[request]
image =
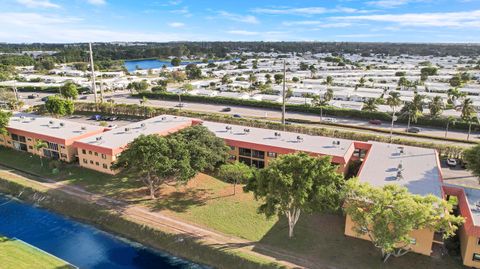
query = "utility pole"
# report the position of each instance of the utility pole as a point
(283, 91)
(92, 68)
(101, 88)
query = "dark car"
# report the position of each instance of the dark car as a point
(414, 130)
(375, 122)
(226, 109)
(237, 116)
(96, 117)
(31, 96)
(180, 105)
(83, 97)
(44, 99)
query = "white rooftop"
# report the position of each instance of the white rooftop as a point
(120, 137)
(419, 168)
(473, 198)
(56, 128)
(287, 140)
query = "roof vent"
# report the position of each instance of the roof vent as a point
(62, 124)
(277, 134)
(32, 118)
(127, 130)
(400, 167)
(98, 138)
(83, 128)
(51, 122)
(246, 130)
(299, 138)
(143, 125)
(401, 150)
(228, 128)
(163, 118)
(399, 175)
(22, 117)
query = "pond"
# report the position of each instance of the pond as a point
(81, 245)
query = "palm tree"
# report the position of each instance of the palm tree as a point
(414, 108)
(320, 101)
(252, 78)
(39, 145)
(469, 114)
(144, 102)
(328, 96)
(393, 100)
(436, 106)
(452, 120)
(329, 80)
(370, 105)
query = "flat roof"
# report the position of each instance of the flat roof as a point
(287, 140)
(53, 128)
(120, 137)
(419, 168)
(473, 199)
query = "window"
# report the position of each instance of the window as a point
(84, 151)
(52, 146)
(29, 139)
(478, 242)
(258, 164)
(97, 163)
(245, 152)
(272, 154)
(90, 152)
(96, 153)
(476, 257)
(91, 162)
(246, 161)
(85, 161)
(105, 166)
(22, 139)
(232, 157)
(104, 156)
(14, 137)
(258, 154)
(30, 147)
(63, 147)
(413, 241)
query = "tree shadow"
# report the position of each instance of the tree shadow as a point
(181, 200)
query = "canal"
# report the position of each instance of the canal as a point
(81, 245)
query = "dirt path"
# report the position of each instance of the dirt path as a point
(162, 222)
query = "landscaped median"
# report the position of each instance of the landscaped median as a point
(16, 254)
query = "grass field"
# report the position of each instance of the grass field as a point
(15, 254)
(209, 202)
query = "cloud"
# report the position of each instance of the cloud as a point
(318, 24)
(243, 32)
(38, 3)
(239, 18)
(185, 11)
(33, 19)
(388, 3)
(466, 19)
(308, 11)
(97, 2)
(176, 24)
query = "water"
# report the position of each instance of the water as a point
(79, 244)
(147, 64)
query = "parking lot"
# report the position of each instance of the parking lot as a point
(458, 175)
(119, 122)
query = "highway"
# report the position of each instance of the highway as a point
(269, 114)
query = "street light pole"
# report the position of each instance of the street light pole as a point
(283, 91)
(92, 68)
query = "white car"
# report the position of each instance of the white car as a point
(452, 162)
(330, 120)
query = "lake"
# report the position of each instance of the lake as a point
(81, 245)
(146, 64)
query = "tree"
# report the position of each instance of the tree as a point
(138, 86)
(328, 95)
(175, 61)
(155, 160)
(436, 106)
(452, 120)
(179, 76)
(278, 78)
(370, 105)
(207, 150)
(429, 71)
(80, 66)
(193, 71)
(389, 214)
(393, 101)
(329, 80)
(295, 183)
(38, 146)
(235, 173)
(44, 64)
(4, 120)
(226, 79)
(414, 108)
(69, 90)
(469, 114)
(58, 106)
(472, 157)
(455, 81)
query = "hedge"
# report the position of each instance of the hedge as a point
(440, 122)
(46, 89)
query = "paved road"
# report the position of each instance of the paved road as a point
(124, 97)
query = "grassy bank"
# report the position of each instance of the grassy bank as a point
(15, 254)
(208, 202)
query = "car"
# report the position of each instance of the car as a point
(180, 105)
(451, 162)
(414, 130)
(96, 117)
(226, 109)
(330, 120)
(44, 99)
(112, 126)
(31, 96)
(83, 97)
(237, 116)
(375, 122)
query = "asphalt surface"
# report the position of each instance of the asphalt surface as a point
(124, 97)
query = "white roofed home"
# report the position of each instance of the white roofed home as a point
(200, 92)
(236, 95)
(267, 97)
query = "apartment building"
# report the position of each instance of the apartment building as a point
(100, 151)
(25, 130)
(417, 169)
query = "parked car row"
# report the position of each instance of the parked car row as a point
(103, 118)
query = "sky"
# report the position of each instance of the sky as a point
(59, 21)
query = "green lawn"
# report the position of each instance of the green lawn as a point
(15, 254)
(209, 202)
